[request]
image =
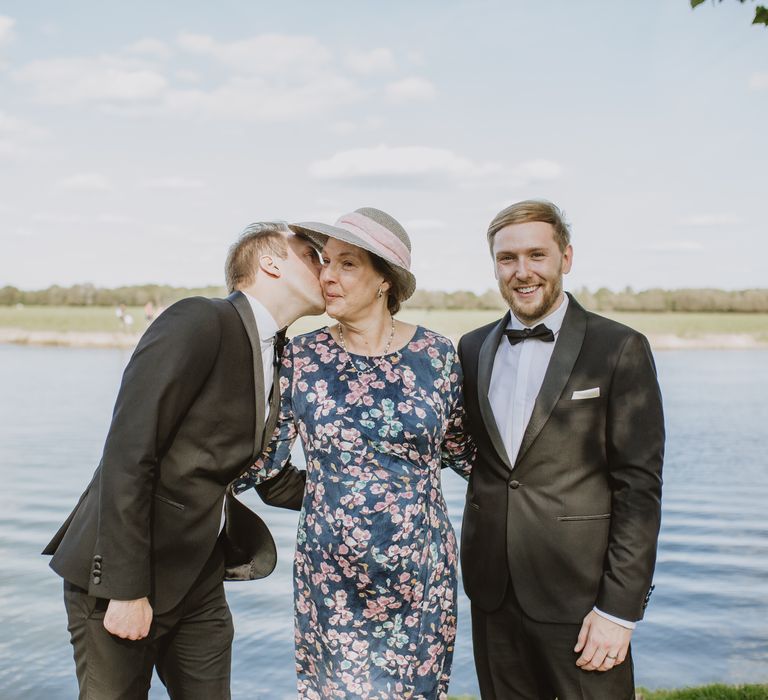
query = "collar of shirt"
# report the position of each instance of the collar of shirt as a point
(553, 321)
(264, 322)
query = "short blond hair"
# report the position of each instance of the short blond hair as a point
(532, 210)
(257, 239)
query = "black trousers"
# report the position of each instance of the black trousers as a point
(518, 658)
(190, 646)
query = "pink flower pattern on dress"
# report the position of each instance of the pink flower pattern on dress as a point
(376, 556)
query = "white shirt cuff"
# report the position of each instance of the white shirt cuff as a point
(624, 623)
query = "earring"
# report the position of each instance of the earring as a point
(380, 294)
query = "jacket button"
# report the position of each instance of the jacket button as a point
(97, 557)
(96, 579)
(514, 484)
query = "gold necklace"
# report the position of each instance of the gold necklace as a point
(364, 366)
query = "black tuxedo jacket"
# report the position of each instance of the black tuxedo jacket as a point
(189, 418)
(574, 522)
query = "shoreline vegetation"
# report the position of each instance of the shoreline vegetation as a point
(704, 692)
(99, 327)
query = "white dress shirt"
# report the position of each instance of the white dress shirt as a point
(267, 328)
(518, 373)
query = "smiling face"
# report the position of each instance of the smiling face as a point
(529, 267)
(349, 281)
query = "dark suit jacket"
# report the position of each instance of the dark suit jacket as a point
(189, 418)
(575, 523)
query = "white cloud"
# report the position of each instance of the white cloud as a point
(120, 219)
(6, 28)
(405, 162)
(265, 54)
(346, 127)
(103, 78)
(370, 62)
(256, 99)
(13, 125)
(85, 182)
(174, 183)
(758, 81)
(411, 89)
(537, 170)
(150, 47)
(710, 220)
(65, 218)
(674, 247)
(424, 225)
(187, 76)
(59, 218)
(17, 135)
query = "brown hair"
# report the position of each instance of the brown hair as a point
(262, 238)
(532, 210)
(396, 290)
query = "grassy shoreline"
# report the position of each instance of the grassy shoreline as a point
(99, 327)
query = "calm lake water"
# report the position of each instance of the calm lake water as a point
(707, 621)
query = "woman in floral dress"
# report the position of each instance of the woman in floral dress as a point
(378, 406)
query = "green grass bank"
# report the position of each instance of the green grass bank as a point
(451, 322)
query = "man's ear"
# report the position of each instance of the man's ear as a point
(567, 259)
(268, 265)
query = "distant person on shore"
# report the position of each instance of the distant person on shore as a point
(149, 312)
(120, 316)
(143, 555)
(564, 504)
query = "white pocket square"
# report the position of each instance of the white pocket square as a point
(586, 394)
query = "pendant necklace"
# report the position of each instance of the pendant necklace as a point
(364, 366)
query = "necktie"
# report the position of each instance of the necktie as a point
(540, 332)
(280, 342)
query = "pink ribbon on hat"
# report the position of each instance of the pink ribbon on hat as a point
(379, 237)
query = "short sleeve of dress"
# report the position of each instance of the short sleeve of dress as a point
(278, 451)
(458, 449)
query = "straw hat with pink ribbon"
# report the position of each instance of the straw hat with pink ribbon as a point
(375, 231)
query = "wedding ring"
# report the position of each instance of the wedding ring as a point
(612, 658)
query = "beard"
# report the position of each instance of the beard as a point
(551, 290)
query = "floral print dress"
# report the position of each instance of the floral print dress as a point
(376, 556)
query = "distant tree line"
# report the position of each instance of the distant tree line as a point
(746, 300)
(90, 295)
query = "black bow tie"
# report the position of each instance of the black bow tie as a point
(280, 342)
(540, 332)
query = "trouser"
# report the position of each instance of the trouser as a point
(190, 646)
(518, 658)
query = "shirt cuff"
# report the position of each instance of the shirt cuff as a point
(624, 623)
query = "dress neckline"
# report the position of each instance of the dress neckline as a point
(396, 351)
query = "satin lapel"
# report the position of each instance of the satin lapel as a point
(484, 371)
(567, 349)
(274, 409)
(243, 307)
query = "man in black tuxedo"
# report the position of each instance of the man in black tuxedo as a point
(564, 502)
(144, 555)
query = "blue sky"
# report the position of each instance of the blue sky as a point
(137, 139)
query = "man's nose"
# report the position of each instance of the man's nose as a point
(521, 270)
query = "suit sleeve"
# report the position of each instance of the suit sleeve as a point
(635, 452)
(162, 379)
(286, 490)
(458, 450)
